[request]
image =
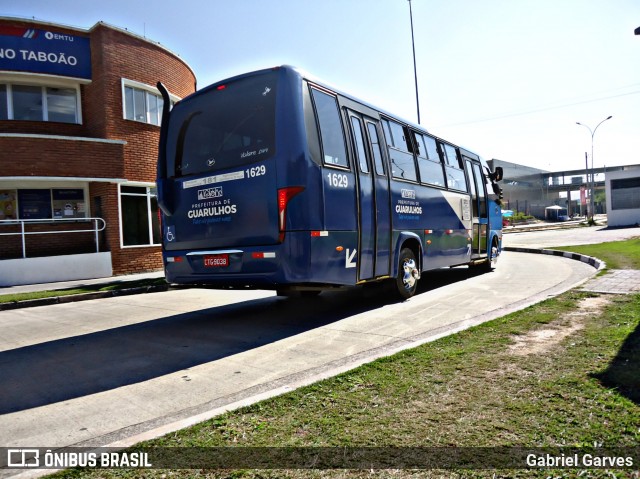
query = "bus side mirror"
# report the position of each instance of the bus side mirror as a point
(497, 174)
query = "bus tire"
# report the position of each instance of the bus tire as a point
(408, 274)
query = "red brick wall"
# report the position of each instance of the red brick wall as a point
(26, 156)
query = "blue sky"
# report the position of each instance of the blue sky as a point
(507, 79)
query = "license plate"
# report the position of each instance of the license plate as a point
(216, 261)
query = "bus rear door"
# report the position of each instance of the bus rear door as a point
(372, 197)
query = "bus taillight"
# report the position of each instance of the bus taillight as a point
(284, 196)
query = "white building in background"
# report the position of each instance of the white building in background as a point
(623, 197)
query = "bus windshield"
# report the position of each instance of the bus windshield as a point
(223, 127)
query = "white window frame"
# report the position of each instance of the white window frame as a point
(43, 92)
(148, 90)
(148, 195)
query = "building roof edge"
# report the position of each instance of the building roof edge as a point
(143, 38)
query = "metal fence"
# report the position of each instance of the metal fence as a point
(98, 225)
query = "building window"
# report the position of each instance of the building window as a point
(62, 105)
(27, 102)
(142, 103)
(139, 219)
(625, 194)
(42, 203)
(4, 112)
(39, 103)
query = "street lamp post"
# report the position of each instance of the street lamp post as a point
(593, 185)
(415, 71)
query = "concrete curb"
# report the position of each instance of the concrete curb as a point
(72, 298)
(595, 262)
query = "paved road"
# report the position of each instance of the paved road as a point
(569, 237)
(122, 369)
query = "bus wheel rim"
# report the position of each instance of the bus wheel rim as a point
(409, 275)
(494, 255)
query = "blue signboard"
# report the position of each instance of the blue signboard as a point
(44, 51)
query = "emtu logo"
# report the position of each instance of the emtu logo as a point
(30, 33)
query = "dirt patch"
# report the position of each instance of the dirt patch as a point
(542, 340)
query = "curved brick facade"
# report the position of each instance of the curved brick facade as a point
(102, 154)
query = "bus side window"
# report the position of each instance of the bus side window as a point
(480, 184)
(402, 163)
(429, 163)
(376, 147)
(455, 174)
(359, 144)
(331, 134)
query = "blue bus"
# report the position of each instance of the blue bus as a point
(274, 180)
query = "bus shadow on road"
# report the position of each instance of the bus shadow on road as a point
(73, 367)
(623, 373)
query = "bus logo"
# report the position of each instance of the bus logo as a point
(210, 193)
(409, 194)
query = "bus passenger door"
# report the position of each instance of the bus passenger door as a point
(382, 199)
(479, 208)
(373, 199)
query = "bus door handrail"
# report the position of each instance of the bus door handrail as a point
(98, 225)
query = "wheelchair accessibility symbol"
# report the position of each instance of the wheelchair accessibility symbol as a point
(170, 235)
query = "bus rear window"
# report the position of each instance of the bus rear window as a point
(225, 127)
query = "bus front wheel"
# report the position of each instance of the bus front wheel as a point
(408, 274)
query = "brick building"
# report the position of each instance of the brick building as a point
(79, 128)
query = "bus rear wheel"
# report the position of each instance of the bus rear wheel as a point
(408, 274)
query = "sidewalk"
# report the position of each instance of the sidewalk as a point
(615, 281)
(30, 288)
(539, 238)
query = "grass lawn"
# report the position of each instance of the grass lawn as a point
(565, 372)
(617, 254)
(115, 286)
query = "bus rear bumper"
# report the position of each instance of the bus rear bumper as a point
(223, 266)
(302, 259)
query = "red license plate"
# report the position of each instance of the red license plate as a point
(216, 261)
